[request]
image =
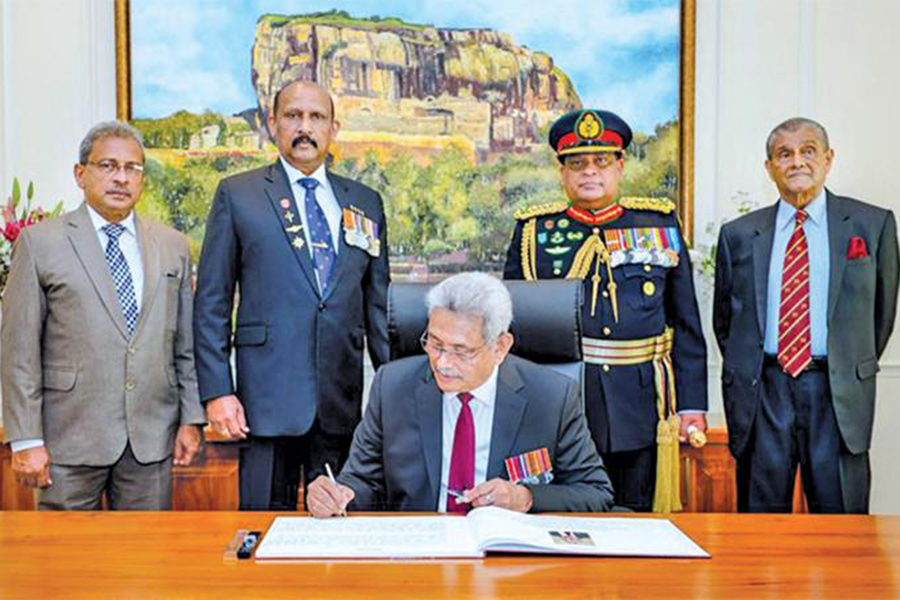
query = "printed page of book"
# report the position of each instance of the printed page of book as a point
(368, 537)
(500, 530)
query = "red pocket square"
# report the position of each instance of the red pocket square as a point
(857, 248)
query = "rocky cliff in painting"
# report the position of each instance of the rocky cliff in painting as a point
(419, 86)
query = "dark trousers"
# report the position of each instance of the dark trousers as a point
(271, 468)
(796, 425)
(633, 477)
(127, 485)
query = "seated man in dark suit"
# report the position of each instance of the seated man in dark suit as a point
(439, 429)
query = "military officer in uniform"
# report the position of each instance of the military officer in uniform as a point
(644, 352)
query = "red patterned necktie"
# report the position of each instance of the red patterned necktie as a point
(462, 460)
(794, 350)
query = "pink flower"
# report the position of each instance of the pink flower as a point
(12, 230)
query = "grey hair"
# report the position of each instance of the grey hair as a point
(478, 295)
(104, 130)
(795, 124)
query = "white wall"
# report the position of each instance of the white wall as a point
(57, 76)
(758, 62)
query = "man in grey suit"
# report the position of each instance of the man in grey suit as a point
(438, 430)
(99, 388)
(805, 299)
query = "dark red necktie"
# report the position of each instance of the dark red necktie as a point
(794, 349)
(462, 460)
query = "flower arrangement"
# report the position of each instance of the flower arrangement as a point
(15, 220)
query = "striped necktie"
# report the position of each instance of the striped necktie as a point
(794, 349)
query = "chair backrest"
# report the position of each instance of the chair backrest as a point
(546, 322)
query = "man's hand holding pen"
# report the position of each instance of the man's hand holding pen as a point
(327, 498)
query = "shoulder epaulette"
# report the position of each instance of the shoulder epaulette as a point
(663, 205)
(538, 210)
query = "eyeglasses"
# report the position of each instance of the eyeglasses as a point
(111, 167)
(458, 353)
(601, 161)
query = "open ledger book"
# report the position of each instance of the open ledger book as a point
(483, 530)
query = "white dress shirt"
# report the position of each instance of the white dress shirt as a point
(482, 405)
(324, 196)
(128, 243)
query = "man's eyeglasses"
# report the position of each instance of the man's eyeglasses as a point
(111, 167)
(458, 353)
(601, 161)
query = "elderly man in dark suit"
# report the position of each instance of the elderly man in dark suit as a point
(805, 300)
(462, 426)
(99, 388)
(307, 252)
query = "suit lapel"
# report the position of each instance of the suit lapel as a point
(150, 260)
(342, 194)
(762, 256)
(838, 234)
(429, 412)
(86, 244)
(278, 190)
(508, 412)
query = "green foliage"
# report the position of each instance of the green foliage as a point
(182, 197)
(175, 131)
(340, 18)
(651, 167)
(433, 207)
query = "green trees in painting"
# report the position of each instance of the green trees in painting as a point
(434, 206)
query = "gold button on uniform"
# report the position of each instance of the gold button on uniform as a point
(607, 331)
(605, 294)
(648, 268)
(606, 368)
(649, 288)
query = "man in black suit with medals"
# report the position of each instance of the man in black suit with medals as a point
(307, 250)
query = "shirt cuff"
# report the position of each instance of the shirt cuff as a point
(692, 412)
(28, 444)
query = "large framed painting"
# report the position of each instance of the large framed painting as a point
(443, 108)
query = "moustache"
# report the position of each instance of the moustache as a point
(119, 192)
(452, 373)
(304, 139)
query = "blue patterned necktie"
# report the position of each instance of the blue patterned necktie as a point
(319, 233)
(121, 275)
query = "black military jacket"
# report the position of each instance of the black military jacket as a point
(638, 243)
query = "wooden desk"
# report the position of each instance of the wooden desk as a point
(179, 555)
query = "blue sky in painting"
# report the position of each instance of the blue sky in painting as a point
(621, 54)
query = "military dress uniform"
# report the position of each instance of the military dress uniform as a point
(642, 342)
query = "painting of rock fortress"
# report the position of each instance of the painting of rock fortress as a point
(422, 88)
(449, 125)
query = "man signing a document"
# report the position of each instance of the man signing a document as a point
(468, 424)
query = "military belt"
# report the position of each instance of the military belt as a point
(627, 352)
(658, 351)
